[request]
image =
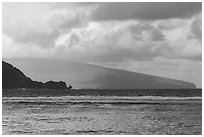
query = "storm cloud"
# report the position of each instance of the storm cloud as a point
(121, 35)
(146, 10)
(196, 28)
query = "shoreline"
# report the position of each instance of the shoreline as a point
(101, 100)
(102, 92)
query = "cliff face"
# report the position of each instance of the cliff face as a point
(83, 75)
(13, 78)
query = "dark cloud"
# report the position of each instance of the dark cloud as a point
(157, 35)
(167, 25)
(146, 10)
(196, 28)
(58, 21)
(87, 3)
(60, 5)
(74, 40)
(137, 30)
(154, 33)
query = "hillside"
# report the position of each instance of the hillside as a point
(83, 75)
(14, 78)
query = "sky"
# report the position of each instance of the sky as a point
(163, 39)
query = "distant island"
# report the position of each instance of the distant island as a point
(13, 78)
(16, 84)
(89, 76)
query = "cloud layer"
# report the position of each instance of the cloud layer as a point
(146, 10)
(109, 34)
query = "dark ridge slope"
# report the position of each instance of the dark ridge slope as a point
(13, 78)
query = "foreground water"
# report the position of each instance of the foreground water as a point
(102, 115)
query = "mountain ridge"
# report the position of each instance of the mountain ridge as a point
(83, 75)
(13, 78)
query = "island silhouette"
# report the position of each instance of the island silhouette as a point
(16, 84)
(89, 76)
(13, 78)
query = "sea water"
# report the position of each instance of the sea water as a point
(102, 115)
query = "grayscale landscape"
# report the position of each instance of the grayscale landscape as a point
(108, 68)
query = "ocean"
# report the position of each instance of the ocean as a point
(102, 112)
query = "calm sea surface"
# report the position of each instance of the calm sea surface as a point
(102, 115)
